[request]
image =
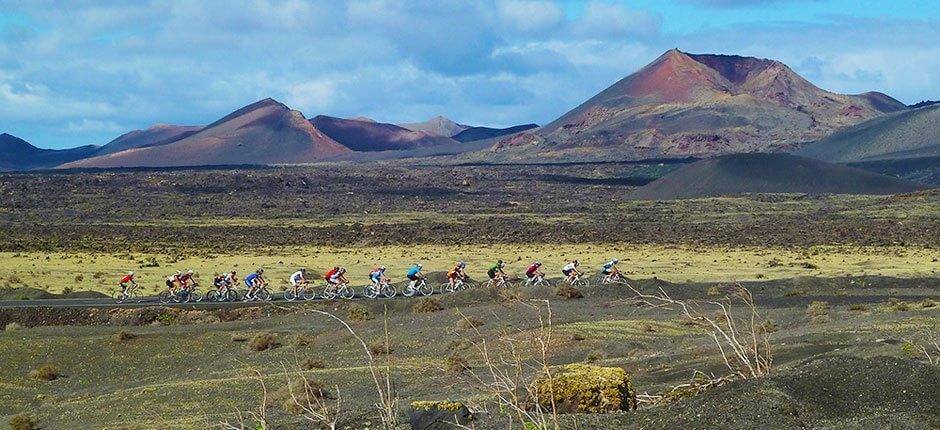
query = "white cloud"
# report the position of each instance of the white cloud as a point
(611, 20)
(531, 15)
(94, 125)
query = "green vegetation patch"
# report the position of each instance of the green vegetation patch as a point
(626, 330)
(582, 388)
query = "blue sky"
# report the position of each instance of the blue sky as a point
(80, 72)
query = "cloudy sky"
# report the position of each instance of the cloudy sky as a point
(81, 72)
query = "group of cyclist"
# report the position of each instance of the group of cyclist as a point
(180, 282)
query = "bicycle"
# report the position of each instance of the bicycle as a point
(129, 294)
(224, 293)
(261, 294)
(614, 278)
(498, 282)
(342, 291)
(421, 287)
(303, 291)
(459, 285)
(538, 281)
(384, 289)
(579, 281)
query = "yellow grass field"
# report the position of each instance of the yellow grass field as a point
(99, 272)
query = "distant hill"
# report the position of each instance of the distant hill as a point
(471, 134)
(369, 136)
(703, 105)
(265, 132)
(18, 154)
(922, 170)
(160, 134)
(438, 125)
(923, 104)
(908, 134)
(767, 173)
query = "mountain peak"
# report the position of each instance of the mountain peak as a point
(11, 142)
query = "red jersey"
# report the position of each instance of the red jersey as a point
(127, 278)
(330, 274)
(531, 269)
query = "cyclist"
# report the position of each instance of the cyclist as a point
(496, 272)
(610, 270)
(532, 272)
(377, 276)
(414, 275)
(457, 272)
(218, 281)
(330, 273)
(173, 281)
(336, 276)
(127, 281)
(254, 281)
(571, 271)
(230, 280)
(186, 280)
(299, 278)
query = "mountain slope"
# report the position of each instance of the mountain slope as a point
(265, 132)
(907, 134)
(18, 154)
(160, 134)
(369, 136)
(767, 173)
(471, 134)
(438, 125)
(702, 105)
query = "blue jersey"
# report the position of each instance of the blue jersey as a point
(608, 265)
(413, 271)
(250, 279)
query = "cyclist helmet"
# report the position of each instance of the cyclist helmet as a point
(538, 263)
(178, 273)
(616, 261)
(260, 271)
(382, 268)
(131, 273)
(463, 264)
(419, 265)
(500, 262)
(303, 270)
(190, 271)
(577, 263)
(342, 270)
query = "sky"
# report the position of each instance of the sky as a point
(83, 72)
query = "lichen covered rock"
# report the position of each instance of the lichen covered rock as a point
(582, 388)
(438, 415)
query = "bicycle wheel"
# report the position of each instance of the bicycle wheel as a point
(446, 288)
(408, 291)
(389, 291)
(346, 292)
(263, 294)
(166, 296)
(308, 293)
(195, 296)
(424, 289)
(118, 297)
(290, 295)
(581, 283)
(329, 293)
(231, 295)
(370, 291)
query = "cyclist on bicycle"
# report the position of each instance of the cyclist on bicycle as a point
(173, 281)
(127, 281)
(414, 275)
(532, 272)
(186, 280)
(254, 281)
(336, 276)
(497, 271)
(218, 281)
(299, 279)
(610, 270)
(457, 272)
(230, 279)
(571, 271)
(377, 276)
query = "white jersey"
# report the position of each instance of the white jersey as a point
(229, 278)
(297, 277)
(568, 267)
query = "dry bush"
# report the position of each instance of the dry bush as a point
(264, 342)
(456, 363)
(568, 292)
(23, 422)
(47, 372)
(13, 326)
(79, 278)
(380, 347)
(469, 322)
(302, 340)
(928, 303)
(427, 305)
(123, 336)
(818, 312)
(311, 363)
(769, 326)
(736, 330)
(858, 307)
(713, 292)
(359, 312)
(897, 305)
(297, 393)
(240, 337)
(578, 337)
(595, 356)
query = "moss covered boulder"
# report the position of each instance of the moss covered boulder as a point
(438, 415)
(582, 388)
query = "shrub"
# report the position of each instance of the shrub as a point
(595, 356)
(23, 422)
(817, 309)
(469, 322)
(239, 337)
(359, 312)
(14, 279)
(456, 363)
(303, 339)
(769, 326)
(713, 292)
(582, 388)
(79, 278)
(568, 292)
(264, 341)
(48, 372)
(305, 392)
(808, 265)
(858, 307)
(910, 350)
(67, 290)
(13, 326)
(123, 336)
(578, 337)
(928, 303)
(312, 363)
(380, 347)
(898, 305)
(427, 305)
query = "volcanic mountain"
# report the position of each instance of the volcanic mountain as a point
(702, 105)
(472, 134)
(265, 132)
(18, 154)
(438, 125)
(767, 173)
(368, 136)
(908, 134)
(160, 134)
